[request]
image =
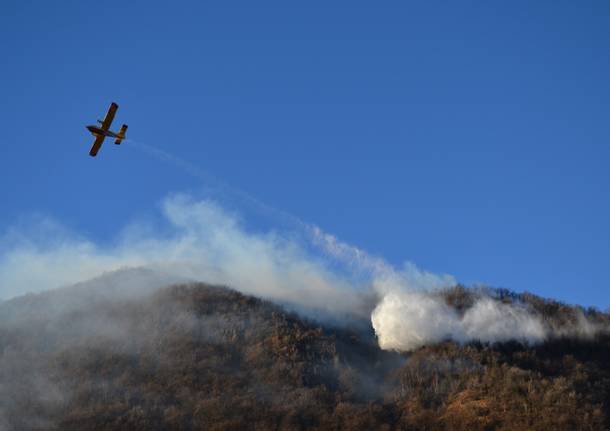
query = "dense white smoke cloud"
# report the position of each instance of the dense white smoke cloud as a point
(407, 320)
(204, 242)
(404, 321)
(409, 314)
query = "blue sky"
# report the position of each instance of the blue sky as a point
(468, 137)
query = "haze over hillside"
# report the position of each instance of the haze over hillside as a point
(123, 352)
(303, 268)
(317, 334)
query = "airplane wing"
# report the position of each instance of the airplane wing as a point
(99, 139)
(109, 116)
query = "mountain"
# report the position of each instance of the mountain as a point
(197, 357)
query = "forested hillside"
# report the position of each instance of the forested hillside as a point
(200, 357)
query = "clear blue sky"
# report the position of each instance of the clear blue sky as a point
(471, 138)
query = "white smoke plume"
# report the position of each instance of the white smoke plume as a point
(204, 242)
(408, 320)
(409, 314)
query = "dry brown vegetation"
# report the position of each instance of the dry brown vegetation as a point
(197, 357)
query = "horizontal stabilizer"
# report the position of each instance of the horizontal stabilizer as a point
(121, 134)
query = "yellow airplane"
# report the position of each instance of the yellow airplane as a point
(104, 132)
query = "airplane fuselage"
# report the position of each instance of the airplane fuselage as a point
(95, 130)
(103, 131)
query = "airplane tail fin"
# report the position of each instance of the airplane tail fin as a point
(121, 134)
